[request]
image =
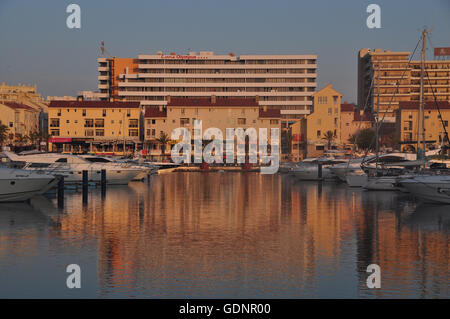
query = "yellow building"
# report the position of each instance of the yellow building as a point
(21, 120)
(352, 120)
(95, 126)
(325, 117)
(22, 94)
(437, 117)
(221, 113)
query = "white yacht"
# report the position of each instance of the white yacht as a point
(21, 185)
(71, 167)
(308, 170)
(430, 188)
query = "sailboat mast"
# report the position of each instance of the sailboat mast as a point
(421, 119)
(378, 115)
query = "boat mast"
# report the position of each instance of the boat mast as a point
(378, 117)
(421, 118)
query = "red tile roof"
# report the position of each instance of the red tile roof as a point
(367, 117)
(270, 113)
(430, 105)
(94, 104)
(15, 105)
(347, 107)
(220, 101)
(153, 111)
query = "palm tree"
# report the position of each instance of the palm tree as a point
(3, 133)
(163, 139)
(329, 137)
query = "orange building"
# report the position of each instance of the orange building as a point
(352, 120)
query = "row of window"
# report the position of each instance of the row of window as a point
(97, 132)
(83, 111)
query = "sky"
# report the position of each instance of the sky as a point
(37, 47)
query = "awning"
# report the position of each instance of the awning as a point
(60, 140)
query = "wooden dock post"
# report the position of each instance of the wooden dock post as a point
(85, 186)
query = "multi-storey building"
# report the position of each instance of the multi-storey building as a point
(325, 118)
(380, 72)
(21, 120)
(214, 112)
(96, 126)
(353, 120)
(437, 117)
(284, 82)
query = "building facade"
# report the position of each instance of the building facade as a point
(353, 120)
(437, 117)
(94, 126)
(284, 82)
(324, 118)
(20, 119)
(214, 112)
(383, 70)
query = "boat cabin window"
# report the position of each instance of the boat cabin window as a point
(61, 160)
(97, 160)
(39, 165)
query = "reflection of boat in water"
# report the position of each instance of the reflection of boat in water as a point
(430, 217)
(430, 188)
(21, 185)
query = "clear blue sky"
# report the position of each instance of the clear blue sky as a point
(37, 47)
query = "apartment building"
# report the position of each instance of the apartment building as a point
(380, 71)
(437, 117)
(284, 82)
(325, 117)
(215, 112)
(94, 126)
(21, 120)
(353, 120)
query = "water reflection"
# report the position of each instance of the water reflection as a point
(234, 235)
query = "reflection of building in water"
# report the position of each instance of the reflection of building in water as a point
(191, 233)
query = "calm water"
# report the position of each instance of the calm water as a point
(226, 235)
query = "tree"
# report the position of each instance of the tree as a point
(163, 139)
(329, 137)
(365, 139)
(3, 134)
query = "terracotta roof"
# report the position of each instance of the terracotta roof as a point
(153, 111)
(15, 105)
(220, 101)
(367, 117)
(94, 104)
(431, 105)
(270, 113)
(347, 107)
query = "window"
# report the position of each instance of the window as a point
(88, 123)
(320, 147)
(89, 133)
(133, 133)
(112, 121)
(128, 113)
(133, 123)
(335, 99)
(99, 123)
(153, 132)
(54, 122)
(54, 132)
(319, 134)
(59, 112)
(153, 121)
(241, 121)
(11, 124)
(446, 123)
(182, 111)
(99, 132)
(273, 121)
(104, 112)
(67, 121)
(84, 112)
(184, 121)
(330, 111)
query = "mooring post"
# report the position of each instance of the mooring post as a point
(148, 179)
(61, 192)
(85, 186)
(103, 182)
(319, 170)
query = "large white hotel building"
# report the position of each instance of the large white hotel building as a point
(279, 81)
